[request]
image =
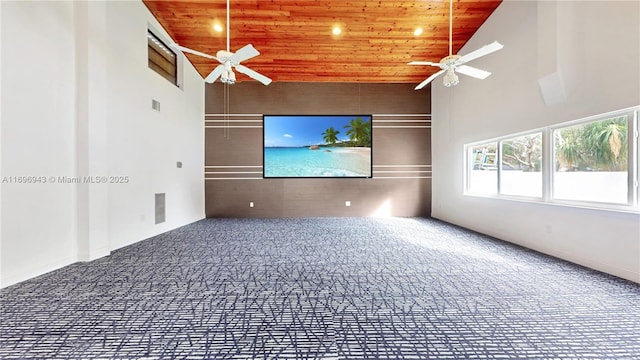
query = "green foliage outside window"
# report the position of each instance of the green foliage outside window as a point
(595, 146)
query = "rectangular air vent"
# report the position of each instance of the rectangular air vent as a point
(155, 104)
(160, 208)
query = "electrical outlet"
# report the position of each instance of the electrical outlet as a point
(251, 204)
(347, 203)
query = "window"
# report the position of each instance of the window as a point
(591, 161)
(521, 165)
(588, 162)
(483, 175)
(162, 59)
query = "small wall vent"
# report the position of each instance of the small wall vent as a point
(160, 208)
(155, 104)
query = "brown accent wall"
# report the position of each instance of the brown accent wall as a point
(401, 138)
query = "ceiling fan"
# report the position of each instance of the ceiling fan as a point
(456, 63)
(229, 61)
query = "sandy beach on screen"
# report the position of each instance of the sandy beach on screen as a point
(363, 151)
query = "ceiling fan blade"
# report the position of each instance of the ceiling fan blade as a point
(424, 63)
(215, 74)
(473, 72)
(428, 80)
(485, 50)
(253, 74)
(194, 52)
(244, 53)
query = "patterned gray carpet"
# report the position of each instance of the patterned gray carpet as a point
(322, 288)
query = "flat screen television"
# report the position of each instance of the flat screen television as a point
(317, 146)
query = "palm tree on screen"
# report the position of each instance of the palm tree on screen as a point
(359, 132)
(330, 135)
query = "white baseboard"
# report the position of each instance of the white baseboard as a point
(11, 279)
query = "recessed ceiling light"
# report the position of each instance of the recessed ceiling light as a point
(417, 32)
(217, 27)
(336, 30)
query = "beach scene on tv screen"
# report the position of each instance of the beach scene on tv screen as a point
(317, 146)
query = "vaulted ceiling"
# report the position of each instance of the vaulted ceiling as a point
(297, 44)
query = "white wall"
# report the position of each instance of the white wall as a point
(38, 137)
(145, 144)
(76, 100)
(591, 53)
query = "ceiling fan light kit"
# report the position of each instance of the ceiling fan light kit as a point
(450, 78)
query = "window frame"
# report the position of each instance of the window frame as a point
(500, 153)
(175, 65)
(469, 167)
(548, 160)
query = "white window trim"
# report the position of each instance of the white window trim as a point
(548, 156)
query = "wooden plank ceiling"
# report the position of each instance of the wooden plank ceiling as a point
(296, 42)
